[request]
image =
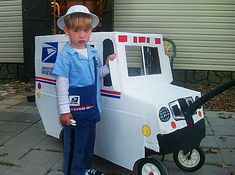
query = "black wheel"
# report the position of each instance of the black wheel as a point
(149, 166)
(189, 161)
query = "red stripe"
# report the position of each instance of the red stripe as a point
(122, 38)
(141, 39)
(135, 39)
(148, 40)
(78, 107)
(47, 79)
(111, 92)
(157, 41)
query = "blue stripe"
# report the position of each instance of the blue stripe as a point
(112, 96)
(46, 82)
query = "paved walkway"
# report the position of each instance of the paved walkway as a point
(25, 149)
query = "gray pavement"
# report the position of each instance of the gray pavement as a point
(25, 149)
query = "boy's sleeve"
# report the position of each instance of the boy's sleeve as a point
(62, 87)
(61, 66)
(104, 70)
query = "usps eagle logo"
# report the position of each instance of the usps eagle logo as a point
(49, 52)
(74, 100)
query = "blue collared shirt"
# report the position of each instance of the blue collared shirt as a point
(78, 69)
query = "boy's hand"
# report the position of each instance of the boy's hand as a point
(67, 119)
(110, 58)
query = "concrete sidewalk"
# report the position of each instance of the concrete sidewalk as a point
(25, 149)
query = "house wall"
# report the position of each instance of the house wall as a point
(11, 32)
(203, 30)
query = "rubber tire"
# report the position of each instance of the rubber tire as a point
(194, 168)
(139, 164)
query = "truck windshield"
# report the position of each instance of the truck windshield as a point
(142, 60)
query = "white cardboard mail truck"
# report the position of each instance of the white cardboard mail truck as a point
(143, 113)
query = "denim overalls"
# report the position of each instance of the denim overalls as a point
(79, 140)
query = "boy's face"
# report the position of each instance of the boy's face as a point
(78, 38)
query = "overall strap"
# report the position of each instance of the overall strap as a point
(95, 83)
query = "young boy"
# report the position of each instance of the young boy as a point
(78, 71)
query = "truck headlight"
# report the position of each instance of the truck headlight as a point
(164, 114)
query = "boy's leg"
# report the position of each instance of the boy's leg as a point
(75, 139)
(90, 144)
(90, 150)
(81, 138)
(68, 150)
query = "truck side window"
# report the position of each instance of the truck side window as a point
(108, 49)
(152, 63)
(142, 60)
(134, 60)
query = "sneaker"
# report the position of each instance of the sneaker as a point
(93, 172)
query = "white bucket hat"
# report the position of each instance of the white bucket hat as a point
(78, 9)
